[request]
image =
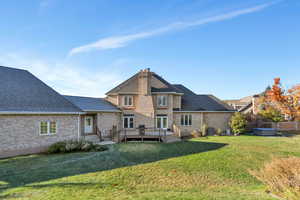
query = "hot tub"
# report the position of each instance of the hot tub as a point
(265, 131)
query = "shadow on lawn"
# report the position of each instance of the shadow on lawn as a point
(35, 169)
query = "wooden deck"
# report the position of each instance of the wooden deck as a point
(142, 138)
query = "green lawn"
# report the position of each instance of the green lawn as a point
(206, 168)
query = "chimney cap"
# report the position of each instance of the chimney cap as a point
(146, 70)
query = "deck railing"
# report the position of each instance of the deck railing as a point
(99, 134)
(146, 133)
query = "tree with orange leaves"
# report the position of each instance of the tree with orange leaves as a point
(287, 102)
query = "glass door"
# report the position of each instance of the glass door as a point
(162, 122)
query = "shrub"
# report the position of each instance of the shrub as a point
(87, 146)
(204, 130)
(196, 133)
(271, 114)
(98, 147)
(238, 123)
(219, 132)
(282, 176)
(57, 147)
(74, 146)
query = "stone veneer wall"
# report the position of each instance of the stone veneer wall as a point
(20, 134)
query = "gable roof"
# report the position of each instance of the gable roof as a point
(193, 102)
(169, 87)
(118, 87)
(92, 104)
(247, 107)
(184, 89)
(22, 92)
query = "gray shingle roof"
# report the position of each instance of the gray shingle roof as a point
(169, 88)
(193, 102)
(92, 104)
(22, 92)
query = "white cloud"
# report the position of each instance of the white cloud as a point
(63, 77)
(121, 41)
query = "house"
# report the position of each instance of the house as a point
(246, 105)
(34, 116)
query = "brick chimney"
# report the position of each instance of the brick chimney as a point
(144, 82)
(144, 105)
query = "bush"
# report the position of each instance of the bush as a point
(271, 114)
(204, 130)
(74, 146)
(57, 147)
(98, 147)
(238, 123)
(196, 133)
(282, 176)
(219, 132)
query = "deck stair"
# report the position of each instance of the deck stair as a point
(171, 139)
(91, 138)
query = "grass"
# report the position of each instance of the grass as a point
(206, 168)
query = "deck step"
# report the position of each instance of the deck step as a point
(171, 139)
(91, 138)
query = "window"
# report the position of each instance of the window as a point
(128, 101)
(128, 121)
(162, 100)
(48, 128)
(186, 120)
(162, 121)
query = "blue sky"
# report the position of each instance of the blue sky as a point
(227, 48)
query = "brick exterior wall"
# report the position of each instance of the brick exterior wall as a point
(20, 134)
(217, 120)
(213, 120)
(105, 121)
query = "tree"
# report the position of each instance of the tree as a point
(272, 114)
(287, 102)
(238, 123)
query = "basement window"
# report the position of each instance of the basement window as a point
(48, 128)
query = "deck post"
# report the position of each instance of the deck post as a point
(118, 135)
(125, 135)
(165, 135)
(159, 136)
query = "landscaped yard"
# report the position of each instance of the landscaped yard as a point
(206, 168)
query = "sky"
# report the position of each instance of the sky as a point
(230, 49)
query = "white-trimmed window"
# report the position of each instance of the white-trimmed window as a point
(162, 121)
(48, 128)
(128, 100)
(128, 121)
(186, 120)
(162, 100)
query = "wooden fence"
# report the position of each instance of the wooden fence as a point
(281, 126)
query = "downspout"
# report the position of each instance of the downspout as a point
(79, 127)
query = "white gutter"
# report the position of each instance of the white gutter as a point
(38, 113)
(118, 111)
(204, 111)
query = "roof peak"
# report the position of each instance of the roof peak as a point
(13, 68)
